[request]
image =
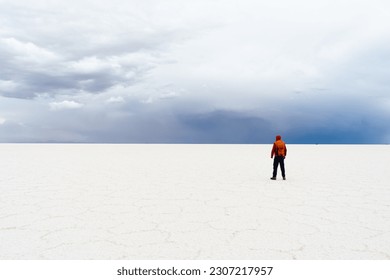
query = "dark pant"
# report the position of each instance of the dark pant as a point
(277, 160)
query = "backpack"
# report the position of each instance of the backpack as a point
(280, 148)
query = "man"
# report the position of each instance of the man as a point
(279, 150)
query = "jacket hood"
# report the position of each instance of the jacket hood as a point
(278, 137)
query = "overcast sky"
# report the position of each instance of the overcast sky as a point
(204, 71)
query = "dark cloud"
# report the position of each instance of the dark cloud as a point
(32, 77)
(55, 49)
(205, 72)
(137, 122)
(223, 126)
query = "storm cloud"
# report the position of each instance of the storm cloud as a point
(194, 72)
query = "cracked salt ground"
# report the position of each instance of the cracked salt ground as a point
(193, 202)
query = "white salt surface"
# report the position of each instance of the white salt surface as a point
(193, 202)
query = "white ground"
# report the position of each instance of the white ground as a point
(193, 202)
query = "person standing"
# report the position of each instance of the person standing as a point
(279, 150)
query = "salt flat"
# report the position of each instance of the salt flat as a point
(71, 201)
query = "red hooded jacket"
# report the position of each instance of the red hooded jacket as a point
(279, 148)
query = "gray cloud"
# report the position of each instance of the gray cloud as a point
(225, 127)
(206, 71)
(30, 70)
(52, 48)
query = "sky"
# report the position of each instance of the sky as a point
(205, 71)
